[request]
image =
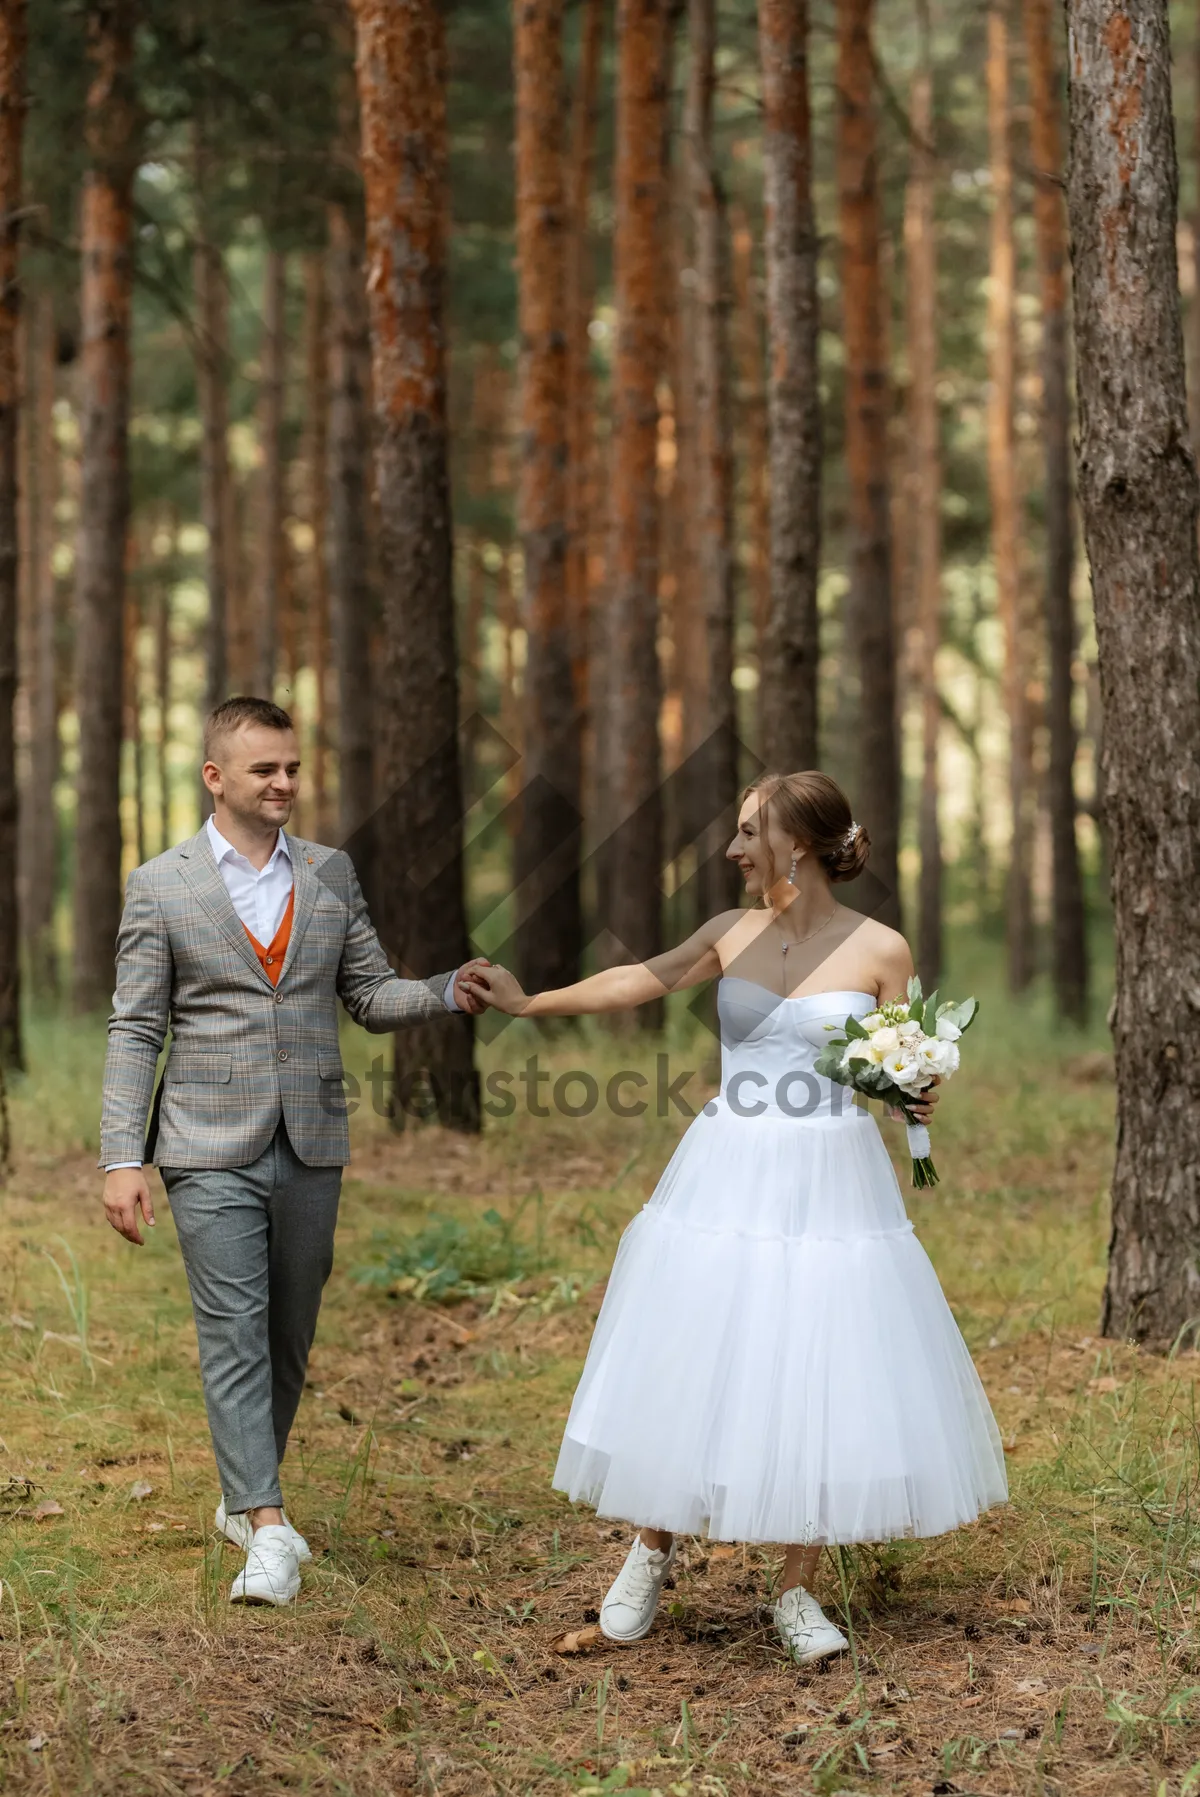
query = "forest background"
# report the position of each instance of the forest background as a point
(563, 421)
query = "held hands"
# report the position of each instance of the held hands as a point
(496, 988)
(464, 996)
(125, 1193)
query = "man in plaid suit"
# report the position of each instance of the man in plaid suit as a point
(241, 940)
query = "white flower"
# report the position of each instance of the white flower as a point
(947, 1060)
(857, 1050)
(884, 1042)
(947, 1031)
(873, 1022)
(904, 1071)
(909, 1031)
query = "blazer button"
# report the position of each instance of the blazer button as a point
(279, 998)
(283, 1054)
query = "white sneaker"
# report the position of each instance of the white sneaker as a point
(238, 1529)
(804, 1628)
(627, 1613)
(271, 1574)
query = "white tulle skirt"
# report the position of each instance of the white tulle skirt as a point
(775, 1360)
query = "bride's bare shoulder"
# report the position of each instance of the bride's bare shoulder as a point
(736, 926)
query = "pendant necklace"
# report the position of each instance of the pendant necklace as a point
(802, 939)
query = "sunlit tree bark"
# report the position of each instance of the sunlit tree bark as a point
(112, 130)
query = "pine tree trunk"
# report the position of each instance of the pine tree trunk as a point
(13, 34)
(1002, 482)
(112, 130)
(581, 434)
(925, 493)
(634, 859)
(349, 522)
(751, 415)
(270, 475)
(162, 687)
(1138, 495)
(680, 580)
(546, 858)
(212, 375)
(401, 68)
(792, 639)
(41, 834)
(719, 884)
(131, 722)
(316, 505)
(1070, 923)
(864, 301)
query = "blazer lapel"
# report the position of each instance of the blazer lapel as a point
(304, 889)
(199, 868)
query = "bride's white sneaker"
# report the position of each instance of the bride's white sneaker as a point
(627, 1613)
(239, 1529)
(804, 1628)
(271, 1574)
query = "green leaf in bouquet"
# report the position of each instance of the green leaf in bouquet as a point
(855, 1030)
(914, 990)
(917, 1010)
(966, 1013)
(828, 1063)
(930, 1010)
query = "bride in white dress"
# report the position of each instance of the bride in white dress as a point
(774, 1360)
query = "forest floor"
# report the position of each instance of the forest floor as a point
(1051, 1649)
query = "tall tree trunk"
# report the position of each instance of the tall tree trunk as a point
(112, 131)
(679, 576)
(1002, 482)
(719, 884)
(131, 723)
(349, 522)
(1070, 923)
(581, 434)
(867, 397)
(546, 858)
(13, 34)
(1138, 495)
(633, 886)
(751, 414)
(162, 689)
(792, 640)
(316, 473)
(401, 68)
(925, 492)
(270, 481)
(41, 835)
(216, 492)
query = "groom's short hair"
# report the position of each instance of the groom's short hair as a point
(233, 713)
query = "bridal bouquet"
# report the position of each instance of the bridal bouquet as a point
(895, 1054)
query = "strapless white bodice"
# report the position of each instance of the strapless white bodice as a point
(769, 1044)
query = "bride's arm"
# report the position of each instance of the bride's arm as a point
(895, 970)
(616, 988)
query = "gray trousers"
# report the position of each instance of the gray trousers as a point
(257, 1245)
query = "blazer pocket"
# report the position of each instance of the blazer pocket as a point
(200, 1069)
(329, 1066)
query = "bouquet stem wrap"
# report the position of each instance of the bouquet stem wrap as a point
(924, 1173)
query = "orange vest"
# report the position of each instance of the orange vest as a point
(272, 957)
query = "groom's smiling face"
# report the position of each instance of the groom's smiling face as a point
(254, 774)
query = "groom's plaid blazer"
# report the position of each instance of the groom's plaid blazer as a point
(243, 1052)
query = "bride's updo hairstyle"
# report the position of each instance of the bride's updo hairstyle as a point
(814, 809)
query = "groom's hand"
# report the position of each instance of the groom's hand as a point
(125, 1193)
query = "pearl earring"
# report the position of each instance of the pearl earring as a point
(792, 871)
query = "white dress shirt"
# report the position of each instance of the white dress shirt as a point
(260, 897)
